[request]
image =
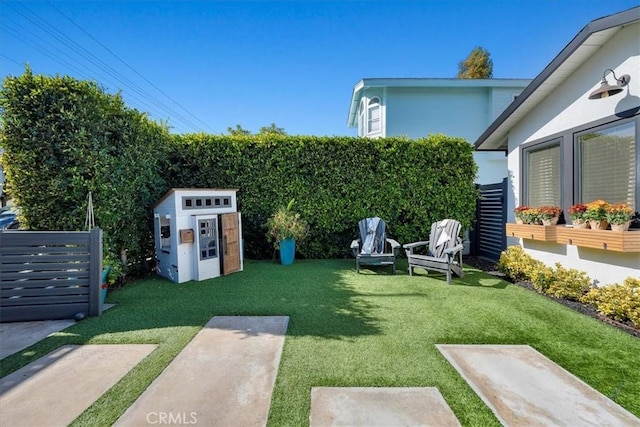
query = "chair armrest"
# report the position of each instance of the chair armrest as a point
(394, 244)
(454, 250)
(355, 247)
(415, 245)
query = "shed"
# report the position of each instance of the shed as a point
(198, 234)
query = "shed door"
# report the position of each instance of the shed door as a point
(230, 243)
(207, 257)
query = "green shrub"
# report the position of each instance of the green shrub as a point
(63, 138)
(542, 278)
(618, 301)
(559, 282)
(517, 264)
(569, 283)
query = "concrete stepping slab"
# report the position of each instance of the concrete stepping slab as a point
(523, 387)
(379, 406)
(17, 336)
(55, 389)
(223, 377)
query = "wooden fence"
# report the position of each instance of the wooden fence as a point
(47, 275)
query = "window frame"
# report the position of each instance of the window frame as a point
(527, 149)
(568, 166)
(374, 102)
(576, 158)
(362, 118)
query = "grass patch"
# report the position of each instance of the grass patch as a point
(348, 329)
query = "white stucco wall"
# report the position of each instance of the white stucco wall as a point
(566, 108)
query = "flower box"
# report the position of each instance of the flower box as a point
(618, 241)
(546, 233)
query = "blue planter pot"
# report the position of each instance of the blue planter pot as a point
(287, 251)
(103, 283)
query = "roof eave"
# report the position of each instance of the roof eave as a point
(601, 24)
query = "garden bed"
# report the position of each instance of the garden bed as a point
(490, 267)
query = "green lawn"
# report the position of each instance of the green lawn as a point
(345, 329)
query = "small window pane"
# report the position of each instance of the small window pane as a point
(374, 116)
(543, 176)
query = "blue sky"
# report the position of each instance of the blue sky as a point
(207, 65)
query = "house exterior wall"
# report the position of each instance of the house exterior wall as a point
(416, 112)
(568, 107)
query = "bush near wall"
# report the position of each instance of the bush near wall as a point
(335, 181)
(617, 301)
(63, 138)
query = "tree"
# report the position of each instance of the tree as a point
(272, 129)
(239, 130)
(478, 65)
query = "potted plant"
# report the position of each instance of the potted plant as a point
(531, 216)
(596, 214)
(576, 212)
(519, 213)
(549, 215)
(285, 227)
(619, 216)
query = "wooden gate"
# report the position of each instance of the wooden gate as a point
(489, 238)
(48, 275)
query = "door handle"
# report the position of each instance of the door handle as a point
(224, 243)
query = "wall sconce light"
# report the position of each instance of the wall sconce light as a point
(605, 89)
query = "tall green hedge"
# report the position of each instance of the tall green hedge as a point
(336, 181)
(63, 138)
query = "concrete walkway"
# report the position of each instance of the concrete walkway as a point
(20, 335)
(226, 374)
(55, 389)
(223, 377)
(524, 388)
(380, 406)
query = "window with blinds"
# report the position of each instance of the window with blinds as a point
(543, 175)
(606, 165)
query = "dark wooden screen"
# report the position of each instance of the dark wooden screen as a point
(47, 275)
(489, 238)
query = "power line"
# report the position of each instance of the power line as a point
(125, 63)
(91, 58)
(68, 47)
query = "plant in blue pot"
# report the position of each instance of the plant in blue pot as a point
(285, 227)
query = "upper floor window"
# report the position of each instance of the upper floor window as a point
(373, 114)
(606, 163)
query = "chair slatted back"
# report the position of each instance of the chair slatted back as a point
(444, 235)
(372, 235)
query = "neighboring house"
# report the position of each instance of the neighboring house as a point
(559, 142)
(416, 107)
